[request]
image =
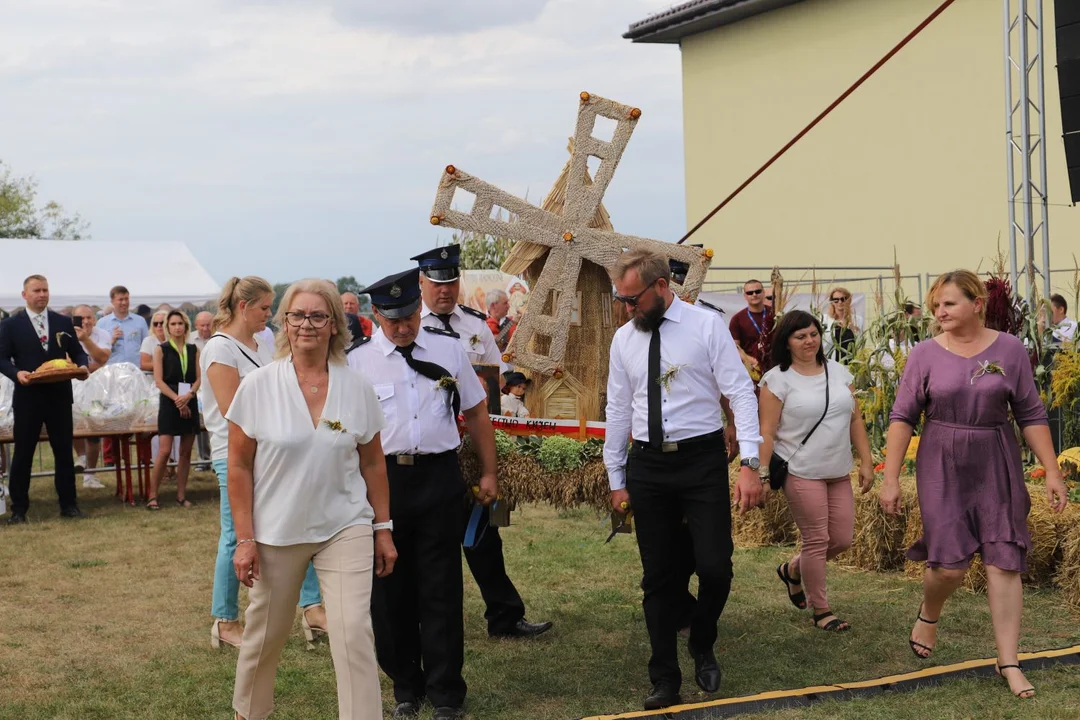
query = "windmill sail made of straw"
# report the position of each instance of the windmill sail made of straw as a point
(570, 238)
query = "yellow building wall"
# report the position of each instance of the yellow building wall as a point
(914, 159)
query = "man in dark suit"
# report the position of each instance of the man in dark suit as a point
(27, 340)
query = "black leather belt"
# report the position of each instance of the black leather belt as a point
(686, 444)
(421, 459)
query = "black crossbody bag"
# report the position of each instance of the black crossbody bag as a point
(238, 347)
(778, 466)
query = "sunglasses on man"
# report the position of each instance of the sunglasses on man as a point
(632, 300)
(754, 292)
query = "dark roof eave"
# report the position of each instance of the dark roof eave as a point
(696, 17)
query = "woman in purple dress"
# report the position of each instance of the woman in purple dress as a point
(969, 471)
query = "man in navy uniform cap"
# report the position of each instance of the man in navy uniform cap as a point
(423, 379)
(440, 285)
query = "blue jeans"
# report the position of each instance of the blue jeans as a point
(226, 605)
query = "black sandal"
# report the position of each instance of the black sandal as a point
(1021, 695)
(152, 505)
(914, 644)
(185, 503)
(834, 625)
(799, 598)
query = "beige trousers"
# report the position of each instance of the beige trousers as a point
(345, 566)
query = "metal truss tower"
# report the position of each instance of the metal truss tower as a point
(1025, 128)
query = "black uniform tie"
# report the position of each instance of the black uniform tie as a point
(432, 372)
(445, 318)
(656, 416)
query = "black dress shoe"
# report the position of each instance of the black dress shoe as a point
(17, 518)
(448, 713)
(408, 709)
(72, 513)
(663, 695)
(524, 629)
(706, 671)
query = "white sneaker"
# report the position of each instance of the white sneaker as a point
(80, 463)
(90, 481)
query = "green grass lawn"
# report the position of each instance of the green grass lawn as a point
(109, 618)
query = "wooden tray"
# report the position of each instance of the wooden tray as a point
(58, 375)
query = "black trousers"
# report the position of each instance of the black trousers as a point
(686, 569)
(29, 417)
(417, 609)
(504, 606)
(664, 489)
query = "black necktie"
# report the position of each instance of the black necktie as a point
(656, 415)
(445, 320)
(432, 372)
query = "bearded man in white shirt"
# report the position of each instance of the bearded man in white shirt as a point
(668, 369)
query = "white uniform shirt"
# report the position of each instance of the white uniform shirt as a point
(699, 344)
(827, 454)
(419, 418)
(226, 350)
(308, 485)
(476, 338)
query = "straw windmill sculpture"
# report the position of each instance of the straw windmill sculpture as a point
(567, 248)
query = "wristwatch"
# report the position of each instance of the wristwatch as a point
(388, 525)
(751, 463)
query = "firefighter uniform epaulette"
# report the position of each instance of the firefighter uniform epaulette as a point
(710, 306)
(441, 331)
(471, 311)
(362, 340)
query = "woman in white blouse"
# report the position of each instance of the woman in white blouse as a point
(307, 483)
(152, 341)
(818, 484)
(238, 347)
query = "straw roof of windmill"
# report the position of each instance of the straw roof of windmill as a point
(524, 254)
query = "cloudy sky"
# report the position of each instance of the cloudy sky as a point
(292, 138)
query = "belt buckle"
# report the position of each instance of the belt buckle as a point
(408, 460)
(669, 447)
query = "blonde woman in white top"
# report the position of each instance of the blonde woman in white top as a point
(155, 338)
(307, 483)
(235, 349)
(818, 484)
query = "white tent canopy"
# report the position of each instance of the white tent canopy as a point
(80, 272)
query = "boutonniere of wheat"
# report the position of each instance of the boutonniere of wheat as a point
(669, 376)
(334, 425)
(987, 367)
(60, 337)
(446, 383)
(474, 340)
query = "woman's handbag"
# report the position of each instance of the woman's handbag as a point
(778, 466)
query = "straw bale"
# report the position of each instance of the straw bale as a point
(771, 524)
(912, 532)
(878, 541)
(1045, 550)
(1068, 572)
(975, 579)
(523, 480)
